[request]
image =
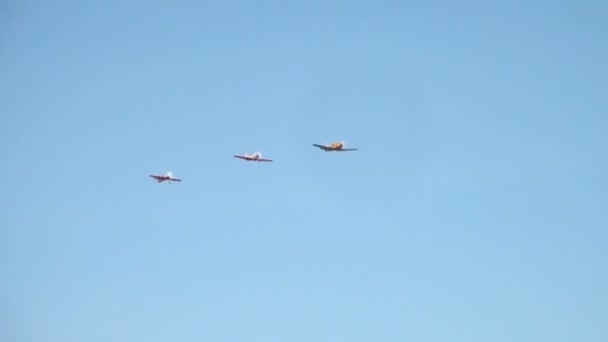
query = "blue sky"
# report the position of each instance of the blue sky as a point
(475, 210)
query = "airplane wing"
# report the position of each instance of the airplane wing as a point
(175, 180)
(265, 160)
(241, 157)
(321, 147)
(347, 149)
(155, 177)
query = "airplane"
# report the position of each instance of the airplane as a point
(335, 147)
(253, 157)
(167, 177)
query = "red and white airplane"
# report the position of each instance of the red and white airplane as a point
(167, 177)
(253, 157)
(335, 147)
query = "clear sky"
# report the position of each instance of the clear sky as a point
(475, 210)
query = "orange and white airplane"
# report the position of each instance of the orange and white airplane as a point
(167, 177)
(253, 157)
(335, 147)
